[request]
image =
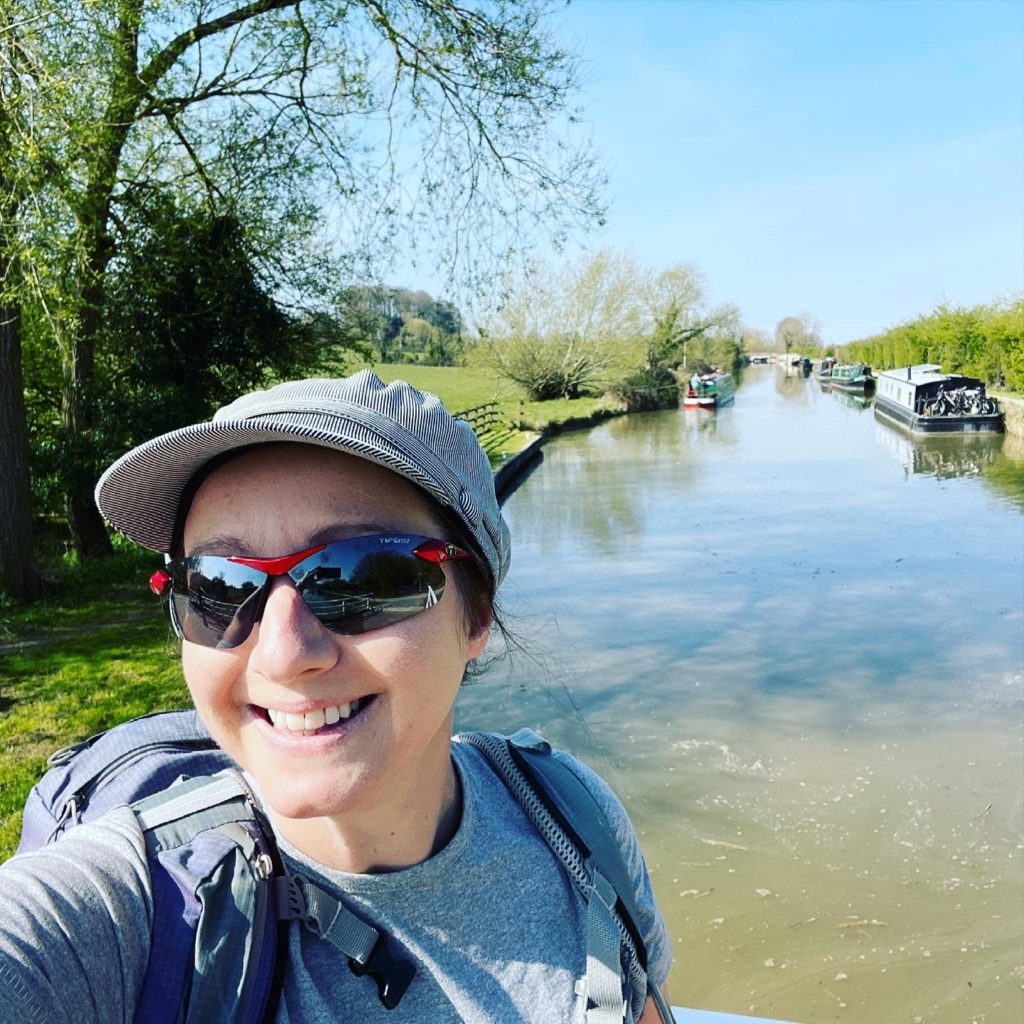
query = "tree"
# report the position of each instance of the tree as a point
(801, 333)
(18, 575)
(187, 326)
(559, 330)
(253, 108)
(400, 323)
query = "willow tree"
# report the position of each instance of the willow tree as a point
(334, 131)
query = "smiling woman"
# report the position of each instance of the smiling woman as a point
(310, 534)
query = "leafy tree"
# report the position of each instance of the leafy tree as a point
(798, 333)
(559, 332)
(187, 325)
(402, 324)
(253, 108)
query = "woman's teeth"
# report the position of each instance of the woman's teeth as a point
(313, 720)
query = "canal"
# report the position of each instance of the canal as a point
(793, 642)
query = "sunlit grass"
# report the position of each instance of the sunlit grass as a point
(93, 652)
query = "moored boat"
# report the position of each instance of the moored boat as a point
(924, 400)
(852, 377)
(825, 368)
(709, 391)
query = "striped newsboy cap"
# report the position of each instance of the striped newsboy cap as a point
(394, 425)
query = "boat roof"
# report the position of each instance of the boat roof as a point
(923, 373)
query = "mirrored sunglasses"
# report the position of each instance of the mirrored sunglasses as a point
(352, 586)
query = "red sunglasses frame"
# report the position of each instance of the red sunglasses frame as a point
(436, 551)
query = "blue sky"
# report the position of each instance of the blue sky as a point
(862, 161)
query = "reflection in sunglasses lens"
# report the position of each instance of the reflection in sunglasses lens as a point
(352, 586)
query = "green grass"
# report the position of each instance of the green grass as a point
(92, 652)
(76, 684)
(459, 387)
(462, 387)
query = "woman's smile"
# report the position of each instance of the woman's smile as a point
(311, 722)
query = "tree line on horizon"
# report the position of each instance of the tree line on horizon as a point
(984, 341)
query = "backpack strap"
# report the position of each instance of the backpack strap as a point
(219, 893)
(573, 824)
(365, 947)
(214, 938)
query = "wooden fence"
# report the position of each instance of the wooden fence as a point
(491, 427)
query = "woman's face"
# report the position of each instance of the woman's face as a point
(400, 681)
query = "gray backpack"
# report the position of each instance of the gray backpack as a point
(216, 871)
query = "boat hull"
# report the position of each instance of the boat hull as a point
(705, 401)
(916, 423)
(852, 387)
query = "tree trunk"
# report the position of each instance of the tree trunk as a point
(18, 576)
(78, 412)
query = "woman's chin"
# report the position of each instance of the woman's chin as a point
(306, 800)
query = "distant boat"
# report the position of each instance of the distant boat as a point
(824, 373)
(709, 391)
(924, 400)
(853, 377)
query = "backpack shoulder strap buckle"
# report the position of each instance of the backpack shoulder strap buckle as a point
(366, 948)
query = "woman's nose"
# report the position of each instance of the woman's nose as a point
(290, 640)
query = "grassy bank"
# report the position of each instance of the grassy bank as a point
(463, 387)
(97, 650)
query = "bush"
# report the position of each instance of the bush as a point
(653, 387)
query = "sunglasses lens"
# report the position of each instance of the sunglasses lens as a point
(362, 584)
(351, 586)
(216, 602)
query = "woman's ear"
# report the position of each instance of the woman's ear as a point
(480, 623)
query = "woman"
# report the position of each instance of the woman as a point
(334, 547)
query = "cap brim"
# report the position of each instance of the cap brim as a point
(139, 495)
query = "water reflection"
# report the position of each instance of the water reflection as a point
(795, 646)
(790, 384)
(942, 456)
(859, 402)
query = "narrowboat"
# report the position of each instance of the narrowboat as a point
(853, 377)
(924, 400)
(709, 391)
(825, 368)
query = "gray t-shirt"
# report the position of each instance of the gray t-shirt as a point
(492, 923)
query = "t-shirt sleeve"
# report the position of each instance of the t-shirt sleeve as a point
(75, 926)
(649, 920)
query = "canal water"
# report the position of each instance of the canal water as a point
(793, 641)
